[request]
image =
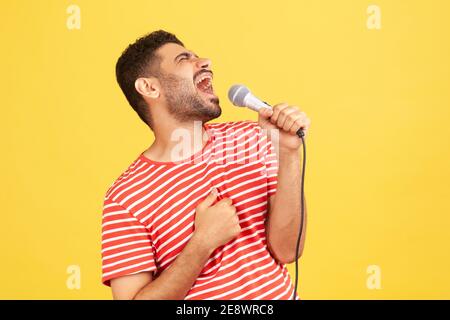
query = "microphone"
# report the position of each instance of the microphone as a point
(241, 96)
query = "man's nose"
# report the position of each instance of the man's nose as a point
(203, 63)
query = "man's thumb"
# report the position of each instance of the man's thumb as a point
(209, 200)
(264, 115)
(265, 112)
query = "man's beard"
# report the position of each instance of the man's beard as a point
(184, 104)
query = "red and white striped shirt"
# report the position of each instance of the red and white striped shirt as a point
(149, 213)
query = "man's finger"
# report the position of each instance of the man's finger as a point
(284, 115)
(209, 200)
(276, 111)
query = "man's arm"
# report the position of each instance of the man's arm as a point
(283, 222)
(173, 283)
(215, 225)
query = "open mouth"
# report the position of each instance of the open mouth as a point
(204, 83)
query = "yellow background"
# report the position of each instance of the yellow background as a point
(377, 180)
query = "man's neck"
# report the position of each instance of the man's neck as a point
(177, 141)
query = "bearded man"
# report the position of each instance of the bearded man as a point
(219, 221)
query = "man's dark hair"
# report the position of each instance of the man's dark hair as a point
(140, 60)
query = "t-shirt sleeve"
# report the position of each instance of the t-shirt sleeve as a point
(268, 157)
(126, 244)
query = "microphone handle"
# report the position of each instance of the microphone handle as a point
(299, 132)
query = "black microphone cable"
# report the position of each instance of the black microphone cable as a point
(301, 135)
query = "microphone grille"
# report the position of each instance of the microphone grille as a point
(237, 93)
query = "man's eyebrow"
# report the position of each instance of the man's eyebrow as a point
(186, 54)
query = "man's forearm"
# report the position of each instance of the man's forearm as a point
(284, 216)
(174, 283)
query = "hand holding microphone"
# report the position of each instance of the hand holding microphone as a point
(291, 121)
(294, 124)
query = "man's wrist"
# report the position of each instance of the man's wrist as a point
(289, 153)
(201, 244)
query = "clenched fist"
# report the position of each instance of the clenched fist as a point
(216, 224)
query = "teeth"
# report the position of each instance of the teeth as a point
(202, 78)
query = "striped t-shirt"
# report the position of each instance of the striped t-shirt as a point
(149, 214)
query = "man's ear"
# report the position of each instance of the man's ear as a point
(148, 87)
